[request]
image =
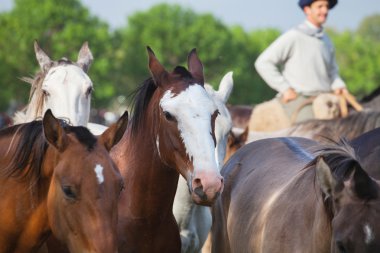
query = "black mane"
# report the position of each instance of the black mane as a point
(340, 156)
(141, 98)
(32, 146)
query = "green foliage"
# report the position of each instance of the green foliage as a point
(60, 28)
(359, 62)
(120, 58)
(172, 31)
(369, 28)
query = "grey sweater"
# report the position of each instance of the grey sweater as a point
(307, 59)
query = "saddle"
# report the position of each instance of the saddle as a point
(273, 115)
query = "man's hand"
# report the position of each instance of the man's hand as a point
(289, 95)
(340, 91)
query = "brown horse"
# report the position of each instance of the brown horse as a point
(234, 142)
(55, 178)
(281, 195)
(171, 133)
(240, 115)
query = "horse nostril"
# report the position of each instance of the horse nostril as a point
(197, 183)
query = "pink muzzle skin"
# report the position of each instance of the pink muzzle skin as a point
(206, 186)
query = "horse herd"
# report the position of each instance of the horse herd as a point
(65, 189)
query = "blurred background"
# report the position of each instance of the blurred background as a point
(228, 35)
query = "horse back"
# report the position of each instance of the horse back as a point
(255, 179)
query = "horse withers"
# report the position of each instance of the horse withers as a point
(55, 178)
(171, 133)
(295, 195)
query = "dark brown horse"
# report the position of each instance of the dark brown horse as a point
(55, 178)
(171, 133)
(281, 195)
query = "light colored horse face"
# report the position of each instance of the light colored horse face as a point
(67, 92)
(62, 86)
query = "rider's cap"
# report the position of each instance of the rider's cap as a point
(303, 3)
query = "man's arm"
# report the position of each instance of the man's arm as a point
(268, 63)
(337, 84)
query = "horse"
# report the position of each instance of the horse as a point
(240, 115)
(235, 141)
(58, 179)
(310, 198)
(171, 132)
(194, 221)
(353, 125)
(372, 100)
(62, 86)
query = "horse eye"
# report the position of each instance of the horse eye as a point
(341, 247)
(168, 116)
(89, 91)
(69, 193)
(45, 93)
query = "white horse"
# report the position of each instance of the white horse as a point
(194, 221)
(62, 86)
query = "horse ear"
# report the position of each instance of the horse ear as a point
(42, 58)
(361, 184)
(195, 66)
(225, 87)
(85, 57)
(115, 132)
(156, 69)
(326, 180)
(54, 132)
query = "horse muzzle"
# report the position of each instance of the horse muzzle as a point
(206, 187)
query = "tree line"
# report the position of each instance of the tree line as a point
(120, 60)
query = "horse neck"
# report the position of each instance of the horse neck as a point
(149, 181)
(32, 192)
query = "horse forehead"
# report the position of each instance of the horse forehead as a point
(193, 99)
(66, 74)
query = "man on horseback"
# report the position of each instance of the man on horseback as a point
(301, 63)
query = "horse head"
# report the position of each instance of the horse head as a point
(85, 185)
(62, 86)
(186, 132)
(355, 201)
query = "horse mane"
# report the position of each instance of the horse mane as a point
(32, 147)
(140, 100)
(340, 156)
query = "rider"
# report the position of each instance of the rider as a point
(301, 62)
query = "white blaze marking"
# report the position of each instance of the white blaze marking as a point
(192, 109)
(369, 236)
(99, 173)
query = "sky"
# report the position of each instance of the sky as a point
(250, 14)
